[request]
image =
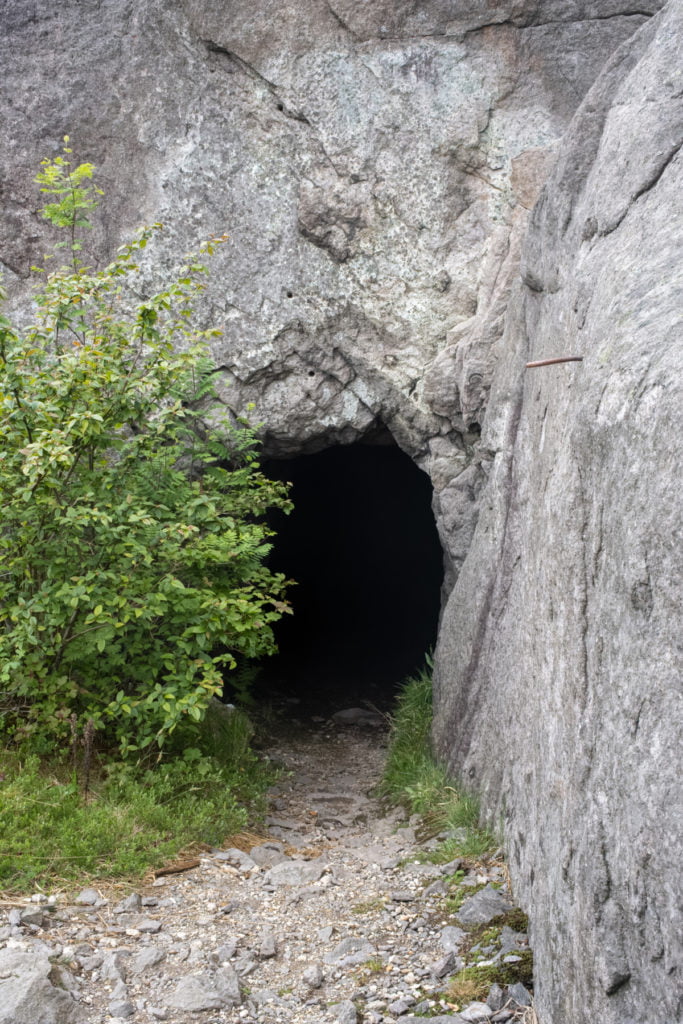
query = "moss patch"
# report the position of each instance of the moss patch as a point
(474, 982)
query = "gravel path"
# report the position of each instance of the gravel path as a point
(328, 916)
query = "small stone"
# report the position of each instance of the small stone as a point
(476, 1012)
(496, 998)
(313, 976)
(122, 1009)
(267, 946)
(448, 964)
(87, 898)
(146, 958)
(268, 855)
(113, 968)
(350, 951)
(483, 906)
(130, 905)
(346, 1012)
(148, 925)
(325, 934)
(451, 938)
(158, 1011)
(403, 897)
(294, 872)
(519, 994)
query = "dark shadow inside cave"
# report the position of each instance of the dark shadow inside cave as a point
(363, 548)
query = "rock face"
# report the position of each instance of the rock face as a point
(375, 164)
(561, 639)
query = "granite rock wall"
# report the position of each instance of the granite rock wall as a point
(561, 642)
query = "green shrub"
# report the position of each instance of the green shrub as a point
(131, 558)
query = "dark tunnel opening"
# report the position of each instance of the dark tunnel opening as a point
(363, 547)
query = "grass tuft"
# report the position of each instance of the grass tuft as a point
(413, 778)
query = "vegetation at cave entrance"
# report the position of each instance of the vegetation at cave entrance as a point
(413, 777)
(132, 533)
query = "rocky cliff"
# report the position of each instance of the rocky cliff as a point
(375, 165)
(561, 640)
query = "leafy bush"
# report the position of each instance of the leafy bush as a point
(131, 558)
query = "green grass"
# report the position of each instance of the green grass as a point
(53, 836)
(414, 778)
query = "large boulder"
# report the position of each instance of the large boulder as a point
(558, 671)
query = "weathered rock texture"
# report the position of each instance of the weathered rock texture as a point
(561, 639)
(375, 164)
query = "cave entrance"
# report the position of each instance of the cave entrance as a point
(363, 547)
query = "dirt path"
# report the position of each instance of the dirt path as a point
(329, 916)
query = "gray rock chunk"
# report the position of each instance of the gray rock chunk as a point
(483, 906)
(519, 995)
(350, 951)
(121, 1008)
(146, 958)
(359, 716)
(87, 898)
(130, 905)
(113, 968)
(451, 938)
(475, 1012)
(207, 991)
(27, 992)
(237, 858)
(496, 998)
(268, 855)
(448, 964)
(267, 948)
(345, 1012)
(294, 872)
(313, 976)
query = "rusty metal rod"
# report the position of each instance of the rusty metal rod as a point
(557, 359)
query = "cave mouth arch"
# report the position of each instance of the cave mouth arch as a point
(363, 547)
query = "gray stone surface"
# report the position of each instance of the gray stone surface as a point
(206, 991)
(295, 872)
(561, 641)
(28, 995)
(373, 164)
(349, 951)
(483, 906)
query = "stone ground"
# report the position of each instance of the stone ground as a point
(330, 917)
